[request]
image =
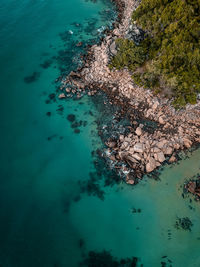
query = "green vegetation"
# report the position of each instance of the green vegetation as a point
(168, 59)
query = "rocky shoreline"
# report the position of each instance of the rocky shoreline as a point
(158, 131)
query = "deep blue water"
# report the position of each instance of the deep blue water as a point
(47, 214)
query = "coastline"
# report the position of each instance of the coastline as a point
(158, 132)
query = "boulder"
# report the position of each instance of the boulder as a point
(138, 147)
(113, 49)
(161, 121)
(151, 165)
(124, 145)
(161, 156)
(177, 146)
(68, 90)
(161, 144)
(138, 131)
(136, 156)
(155, 150)
(172, 159)
(112, 157)
(111, 144)
(192, 187)
(155, 105)
(121, 137)
(187, 143)
(168, 150)
(130, 182)
(130, 158)
(61, 96)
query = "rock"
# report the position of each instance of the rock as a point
(111, 144)
(112, 157)
(138, 148)
(113, 49)
(151, 165)
(155, 156)
(68, 90)
(161, 121)
(79, 44)
(161, 144)
(155, 150)
(124, 145)
(61, 96)
(130, 158)
(176, 146)
(172, 159)
(121, 137)
(161, 156)
(187, 143)
(138, 131)
(136, 156)
(158, 164)
(130, 182)
(192, 187)
(155, 105)
(168, 151)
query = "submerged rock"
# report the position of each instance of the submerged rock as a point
(184, 223)
(105, 259)
(71, 117)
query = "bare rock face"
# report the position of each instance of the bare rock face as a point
(138, 131)
(151, 165)
(161, 157)
(113, 49)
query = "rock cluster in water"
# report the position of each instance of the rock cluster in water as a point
(142, 149)
(193, 187)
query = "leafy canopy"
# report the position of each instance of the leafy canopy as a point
(168, 59)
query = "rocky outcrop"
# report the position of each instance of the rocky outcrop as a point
(193, 187)
(144, 148)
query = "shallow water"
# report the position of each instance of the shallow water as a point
(44, 210)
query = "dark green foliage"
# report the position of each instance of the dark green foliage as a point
(129, 55)
(168, 60)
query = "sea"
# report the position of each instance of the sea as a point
(58, 204)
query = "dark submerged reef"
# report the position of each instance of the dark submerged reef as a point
(183, 223)
(32, 78)
(105, 259)
(101, 177)
(192, 186)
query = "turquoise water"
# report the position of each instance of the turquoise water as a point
(47, 215)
